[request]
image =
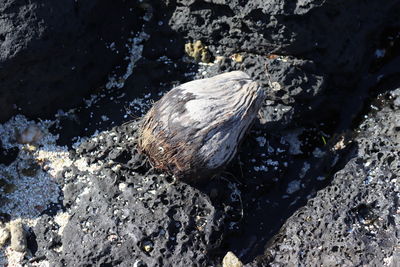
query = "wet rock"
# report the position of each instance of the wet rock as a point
(354, 220)
(49, 51)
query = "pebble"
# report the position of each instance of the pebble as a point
(230, 260)
(18, 236)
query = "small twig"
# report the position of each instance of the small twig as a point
(240, 200)
(37, 259)
(149, 171)
(233, 176)
(241, 207)
(129, 112)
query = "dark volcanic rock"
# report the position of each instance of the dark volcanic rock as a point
(295, 85)
(329, 32)
(293, 79)
(329, 46)
(354, 221)
(120, 215)
(312, 58)
(54, 53)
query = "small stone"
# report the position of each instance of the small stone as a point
(230, 260)
(18, 236)
(122, 187)
(32, 134)
(276, 86)
(148, 246)
(4, 235)
(31, 148)
(340, 144)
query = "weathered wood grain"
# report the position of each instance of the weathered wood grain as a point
(194, 130)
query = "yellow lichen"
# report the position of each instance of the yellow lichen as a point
(237, 57)
(198, 51)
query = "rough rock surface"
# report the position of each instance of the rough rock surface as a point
(120, 215)
(316, 59)
(49, 51)
(328, 32)
(294, 87)
(321, 38)
(355, 220)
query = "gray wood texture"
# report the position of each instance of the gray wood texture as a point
(195, 129)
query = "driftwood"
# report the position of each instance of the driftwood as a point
(194, 130)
